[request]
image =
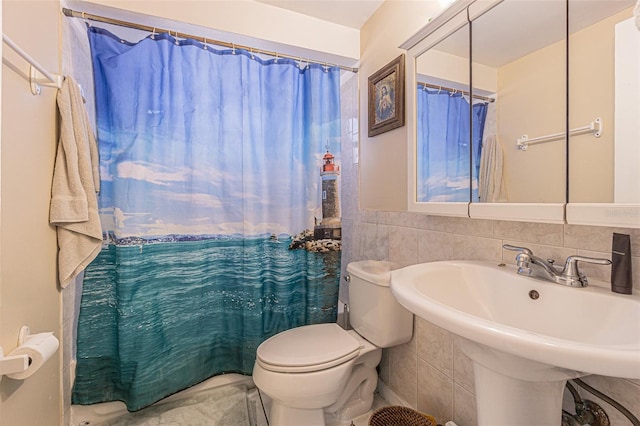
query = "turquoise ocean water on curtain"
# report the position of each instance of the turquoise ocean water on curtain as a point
(210, 166)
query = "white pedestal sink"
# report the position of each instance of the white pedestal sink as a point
(526, 337)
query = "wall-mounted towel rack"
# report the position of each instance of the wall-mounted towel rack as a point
(50, 80)
(595, 127)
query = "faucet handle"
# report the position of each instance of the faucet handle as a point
(571, 267)
(518, 249)
(523, 258)
(573, 260)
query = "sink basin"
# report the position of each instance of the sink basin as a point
(525, 336)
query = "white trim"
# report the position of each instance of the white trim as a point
(519, 212)
(604, 214)
(434, 23)
(460, 209)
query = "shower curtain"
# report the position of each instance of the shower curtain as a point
(443, 152)
(210, 166)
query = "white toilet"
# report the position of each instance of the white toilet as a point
(323, 369)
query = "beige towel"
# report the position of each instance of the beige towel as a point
(491, 188)
(76, 179)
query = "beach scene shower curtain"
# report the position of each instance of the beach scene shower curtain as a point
(220, 210)
(444, 172)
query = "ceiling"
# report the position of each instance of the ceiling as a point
(531, 25)
(349, 13)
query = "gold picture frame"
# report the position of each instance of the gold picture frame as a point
(386, 97)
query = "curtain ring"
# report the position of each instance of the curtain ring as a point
(153, 34)
(205, 43)
(251, 53)
(325, 67)
(276, 57)
(233, 48)
(84, 16)
(439, 89)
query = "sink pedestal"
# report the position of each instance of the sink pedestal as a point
(515, 391)
(502, 400)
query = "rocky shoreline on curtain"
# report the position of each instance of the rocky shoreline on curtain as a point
(305, 240)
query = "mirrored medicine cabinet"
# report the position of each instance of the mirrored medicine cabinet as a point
(496, 84)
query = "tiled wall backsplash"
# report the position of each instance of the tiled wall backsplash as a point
(409, 238)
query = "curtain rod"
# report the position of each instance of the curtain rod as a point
(449, 89)
(75, 14)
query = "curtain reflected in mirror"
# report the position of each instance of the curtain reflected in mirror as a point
(445, 171)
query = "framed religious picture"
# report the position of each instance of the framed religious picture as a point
(386, 97)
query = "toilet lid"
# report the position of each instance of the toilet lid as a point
(307, 348)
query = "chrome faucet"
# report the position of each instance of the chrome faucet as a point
(533, 266)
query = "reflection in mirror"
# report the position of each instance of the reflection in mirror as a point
(519, 57)
(604, 83)
(443, 153)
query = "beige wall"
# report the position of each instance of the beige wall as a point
(591, 85)
(383, 158)
(445, 66)
(28, 244)
(252, 19)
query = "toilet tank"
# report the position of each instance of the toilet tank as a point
(373, 311)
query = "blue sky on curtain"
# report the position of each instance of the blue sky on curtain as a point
(443, 154)
(210, 164)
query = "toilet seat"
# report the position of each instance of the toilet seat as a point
(307, 349)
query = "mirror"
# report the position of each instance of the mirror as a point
(443, 153)
(519, 57)
(518, 73)
(438, 81)
(604, 87)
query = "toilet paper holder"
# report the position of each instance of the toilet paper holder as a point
(15, 363)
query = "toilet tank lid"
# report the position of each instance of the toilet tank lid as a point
(308, 345)
(375, 271)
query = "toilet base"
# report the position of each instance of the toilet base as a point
(282, 415)
(357, 397)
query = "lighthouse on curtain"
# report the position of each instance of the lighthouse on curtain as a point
(330, 227)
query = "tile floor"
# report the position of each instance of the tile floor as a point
(230, 405)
